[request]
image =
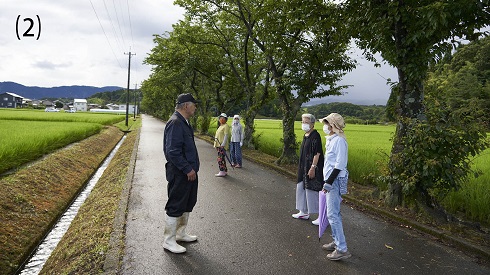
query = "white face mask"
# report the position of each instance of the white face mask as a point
(326, 129)
(305, 127)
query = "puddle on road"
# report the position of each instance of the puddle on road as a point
(47, 246)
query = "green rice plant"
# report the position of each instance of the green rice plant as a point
(268, 133)
(473, 198)
(40, 115)
(22, 141)
(369, 145)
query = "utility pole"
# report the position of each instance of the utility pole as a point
(127, 97)
(135, 94)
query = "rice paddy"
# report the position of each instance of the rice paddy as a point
(27, 135)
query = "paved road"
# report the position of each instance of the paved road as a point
(244, 226)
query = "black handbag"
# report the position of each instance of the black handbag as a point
(312, 184)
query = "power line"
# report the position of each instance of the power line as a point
(127, 29)
(118, 24)
(113, 28)
(130, 26)
(105, 35)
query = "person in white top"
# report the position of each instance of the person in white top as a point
(336, 176)
(237, 135)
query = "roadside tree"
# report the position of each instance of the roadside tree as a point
(248, 86)
(303, 44)
(409, 35)
(182, 66)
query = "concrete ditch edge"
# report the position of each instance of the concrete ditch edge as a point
(116, 243)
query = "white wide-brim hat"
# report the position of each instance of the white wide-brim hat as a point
(336, 121)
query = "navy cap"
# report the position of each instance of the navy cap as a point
(186, 98)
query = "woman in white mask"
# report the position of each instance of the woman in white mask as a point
(336, 176)
(237, 135)
(310, 176)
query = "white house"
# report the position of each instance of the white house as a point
(122, 107)
(80, 105)
(131, 108)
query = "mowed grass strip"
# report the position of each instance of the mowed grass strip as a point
(33, 198)
(24, 141)
(40, 115)
(83, 248)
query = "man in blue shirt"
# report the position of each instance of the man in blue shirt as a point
(181, 171)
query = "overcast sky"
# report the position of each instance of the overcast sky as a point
(87, 42)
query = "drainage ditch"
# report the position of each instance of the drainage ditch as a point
(37, 260)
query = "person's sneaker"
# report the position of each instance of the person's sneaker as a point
(316, 222)
(329, 246)
(301, 216)
(221, 174)
(337, 255)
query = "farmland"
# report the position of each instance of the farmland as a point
(38, 115)
(27, 135)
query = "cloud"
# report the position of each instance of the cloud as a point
(80, 46)
(50, 65)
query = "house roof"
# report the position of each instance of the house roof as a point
(14, 95)
(79, 100)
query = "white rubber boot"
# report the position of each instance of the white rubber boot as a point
(181, 225)
(169, 233)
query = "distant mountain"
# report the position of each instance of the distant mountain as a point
(54, 92)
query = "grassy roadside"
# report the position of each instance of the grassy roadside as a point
(34, 197)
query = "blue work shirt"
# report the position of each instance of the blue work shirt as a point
(178, 144)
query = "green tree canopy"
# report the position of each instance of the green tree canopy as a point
(462, 80)
(302, 42)
(409, 35)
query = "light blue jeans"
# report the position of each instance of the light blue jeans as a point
(334, 198)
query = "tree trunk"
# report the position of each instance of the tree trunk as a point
(289, 155)
(289, 111)
(410, 106)
(248, 141)
(204, 125)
